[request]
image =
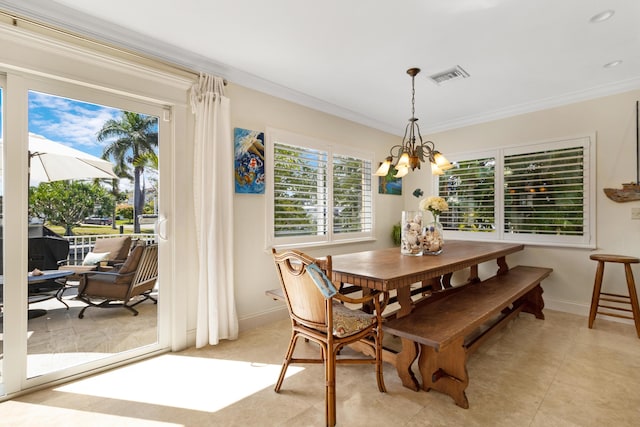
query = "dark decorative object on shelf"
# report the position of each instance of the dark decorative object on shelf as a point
(418, 192)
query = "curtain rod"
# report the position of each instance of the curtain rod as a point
(42, 28)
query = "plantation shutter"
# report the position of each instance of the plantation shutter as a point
(545, 192)
(352, 207)
(469, 189)
(300, 191)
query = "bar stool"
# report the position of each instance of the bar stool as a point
(631, 299)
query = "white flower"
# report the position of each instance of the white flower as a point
(434, 204)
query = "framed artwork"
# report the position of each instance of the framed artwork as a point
(389, 184)
(248, 161)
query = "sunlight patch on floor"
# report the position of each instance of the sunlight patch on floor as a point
(195, 383)
(43, 414)
(40, 364)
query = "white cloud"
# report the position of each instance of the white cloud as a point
(70, 121)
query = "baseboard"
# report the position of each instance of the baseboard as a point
(260, 319)
(579, 309)
(249, 322)
(566, 307)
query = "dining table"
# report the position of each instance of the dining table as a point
(388, 270)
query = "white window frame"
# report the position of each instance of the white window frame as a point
(294, 139)
(587, 240)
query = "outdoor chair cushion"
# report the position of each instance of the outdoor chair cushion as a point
(129, 265)
(93, 258)
(118, 247)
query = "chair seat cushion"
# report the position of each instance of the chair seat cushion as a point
(348, 322)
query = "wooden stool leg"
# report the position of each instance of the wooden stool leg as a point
(595, 298)
(633, 295)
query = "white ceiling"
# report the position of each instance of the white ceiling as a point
(349, 57)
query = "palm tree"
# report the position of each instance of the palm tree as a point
(135, 136)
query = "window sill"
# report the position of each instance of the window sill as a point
(311, 245)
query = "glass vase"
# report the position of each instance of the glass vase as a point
(432, 238)
(411, 233)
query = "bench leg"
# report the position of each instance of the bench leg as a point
(404, 360)
(533, 302)
(446, 370)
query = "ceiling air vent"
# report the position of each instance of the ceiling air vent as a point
(454, 73)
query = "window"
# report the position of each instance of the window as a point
(538, 193)
(317, 192)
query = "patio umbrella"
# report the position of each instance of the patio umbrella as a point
(52, 161)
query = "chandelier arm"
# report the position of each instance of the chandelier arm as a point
(429, 146)
(398, 153)
(422, 144)
(406, 141)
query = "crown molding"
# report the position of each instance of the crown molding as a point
(63, 17)
(539, 105)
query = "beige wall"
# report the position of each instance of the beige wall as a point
(254, 270)
(612, 119)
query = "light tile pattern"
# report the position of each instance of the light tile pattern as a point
(554, 372)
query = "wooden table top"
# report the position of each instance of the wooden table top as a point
(388, 269)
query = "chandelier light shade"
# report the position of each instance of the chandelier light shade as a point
(413, 150)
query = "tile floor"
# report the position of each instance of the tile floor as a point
(554, 372)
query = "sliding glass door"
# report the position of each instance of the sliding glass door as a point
(85, 173)
(2, 84)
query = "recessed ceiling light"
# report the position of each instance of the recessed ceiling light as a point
(613, 63)
(602, 16)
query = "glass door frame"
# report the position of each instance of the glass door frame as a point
(16, 223)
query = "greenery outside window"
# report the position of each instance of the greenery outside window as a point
(317, 192)
(536, 194)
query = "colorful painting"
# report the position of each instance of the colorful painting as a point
(249, 161)
(389, 184)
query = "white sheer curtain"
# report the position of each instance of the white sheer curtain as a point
(213, 197)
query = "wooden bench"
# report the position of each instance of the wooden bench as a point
(454, 324)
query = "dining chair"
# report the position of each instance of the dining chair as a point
(320, 314)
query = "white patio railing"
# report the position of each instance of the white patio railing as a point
(79, 246)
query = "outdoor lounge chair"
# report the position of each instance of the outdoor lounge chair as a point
(119, 288)
(112, 250)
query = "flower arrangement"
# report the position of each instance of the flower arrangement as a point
(432, 238)
(434, 204)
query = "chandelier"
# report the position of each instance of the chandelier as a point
(413, 149)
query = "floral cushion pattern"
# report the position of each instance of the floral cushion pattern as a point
(347, 322)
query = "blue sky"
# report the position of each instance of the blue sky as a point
(70, 122)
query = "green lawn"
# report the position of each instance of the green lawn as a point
(96, 229)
